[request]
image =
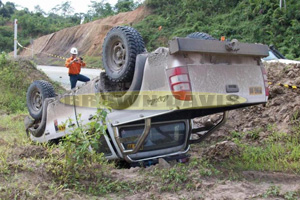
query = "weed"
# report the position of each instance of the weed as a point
(4, 167)
(205, 167)
(254, 134)
(79, 146)
(291, 195)
(183, 176)
(235, 134)
(82, 168)
(271, 127)
(295, 116)
(272, 191)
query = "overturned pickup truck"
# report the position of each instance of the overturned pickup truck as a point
(154, 96)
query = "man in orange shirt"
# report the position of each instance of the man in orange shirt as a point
(74, 64)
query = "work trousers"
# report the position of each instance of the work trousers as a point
(79, 77)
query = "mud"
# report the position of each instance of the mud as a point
(221, 151)
(33, 151)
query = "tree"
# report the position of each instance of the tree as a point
(65, 9)
(100, 9)
(125, 6)
(38, 9)
(8, 9)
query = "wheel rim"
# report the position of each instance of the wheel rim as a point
(118, 55)
(36, 100)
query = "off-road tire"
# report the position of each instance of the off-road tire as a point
(120, 47)
(37, 92)
(201, 36)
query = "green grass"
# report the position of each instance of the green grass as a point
(16, 76)
(278, 152)
(93, 62)
(183, 176)
(14, 128)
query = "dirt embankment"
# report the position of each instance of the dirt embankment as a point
(88, 38)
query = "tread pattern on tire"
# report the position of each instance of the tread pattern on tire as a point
(136, 46)
(201, 36)
(46, 90)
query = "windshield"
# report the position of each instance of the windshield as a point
(271, 56)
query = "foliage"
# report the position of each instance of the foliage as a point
(80, 146)
(84, 168)
(184, 176)
(125, 6)
(99, 10)
(103, 9)
(273, 191)
(15, 80)
(65, 9)
(7, 9)
(253, 21)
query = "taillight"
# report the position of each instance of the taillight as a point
(180, 83)
(264, 72)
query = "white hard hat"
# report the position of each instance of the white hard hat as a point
(74, 51)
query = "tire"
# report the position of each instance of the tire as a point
(201, 36)
(37, 92)
(120, 47)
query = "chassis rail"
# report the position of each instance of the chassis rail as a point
(210, 131)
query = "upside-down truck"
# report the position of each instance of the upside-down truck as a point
(154, 96)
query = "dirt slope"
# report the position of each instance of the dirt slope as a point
(88, 38)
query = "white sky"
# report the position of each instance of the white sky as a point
(47, 5)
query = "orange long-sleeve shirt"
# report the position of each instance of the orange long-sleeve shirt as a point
(75, 67)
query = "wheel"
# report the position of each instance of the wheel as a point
(120, 95)
(120, 47)
(37, 92)
(201, 36)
